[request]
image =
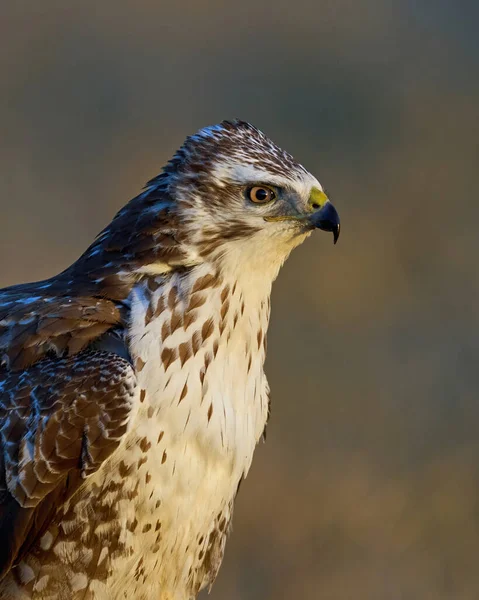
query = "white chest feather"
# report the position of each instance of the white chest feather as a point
(199, 349)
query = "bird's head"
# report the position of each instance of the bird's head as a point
(228, 195)
(240, 195)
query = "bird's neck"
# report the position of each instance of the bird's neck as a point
(237, 299)
(196, 312)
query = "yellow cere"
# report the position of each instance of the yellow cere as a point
(317, 197)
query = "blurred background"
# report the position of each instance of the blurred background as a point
(368, 486)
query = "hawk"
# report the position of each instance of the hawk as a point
(132, 391)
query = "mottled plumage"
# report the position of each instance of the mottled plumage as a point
(132, 391)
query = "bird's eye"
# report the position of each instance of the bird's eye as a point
(261, 194)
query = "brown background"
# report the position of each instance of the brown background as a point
(368, 486)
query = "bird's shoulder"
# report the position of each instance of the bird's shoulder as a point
(41, 319)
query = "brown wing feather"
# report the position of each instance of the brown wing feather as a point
(66, 388)
(60, 419)
(32, 325)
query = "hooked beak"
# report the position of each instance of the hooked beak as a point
(321, 214)
(327, 219)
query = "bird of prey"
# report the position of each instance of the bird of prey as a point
(132, 391)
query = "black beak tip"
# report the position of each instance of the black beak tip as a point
(336, 233)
